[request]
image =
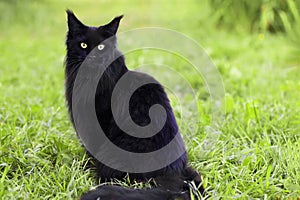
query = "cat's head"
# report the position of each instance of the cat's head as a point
(82, 39)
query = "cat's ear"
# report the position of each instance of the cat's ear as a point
(73, 22)
(113, 25)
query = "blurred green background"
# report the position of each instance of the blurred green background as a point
(254, 44)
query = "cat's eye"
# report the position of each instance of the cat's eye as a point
(83, 45)
(101, 46)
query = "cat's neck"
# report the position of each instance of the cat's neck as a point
(106, 83)
(111, 75)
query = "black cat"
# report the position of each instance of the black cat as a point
(81, 40)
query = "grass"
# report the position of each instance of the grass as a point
(256, 155)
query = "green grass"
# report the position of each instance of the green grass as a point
(256, 155)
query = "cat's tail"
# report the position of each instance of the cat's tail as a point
(111, 192)
(171, 187)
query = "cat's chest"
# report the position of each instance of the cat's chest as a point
(103, 103)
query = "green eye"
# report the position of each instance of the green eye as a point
(83, 45)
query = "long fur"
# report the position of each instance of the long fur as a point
(140, 103)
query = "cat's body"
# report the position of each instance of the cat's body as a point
(81, 40)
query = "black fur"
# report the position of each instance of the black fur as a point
(167, 188)
(140, 103)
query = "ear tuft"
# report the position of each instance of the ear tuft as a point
(73, 22)
(114, 24)
(69, 12)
